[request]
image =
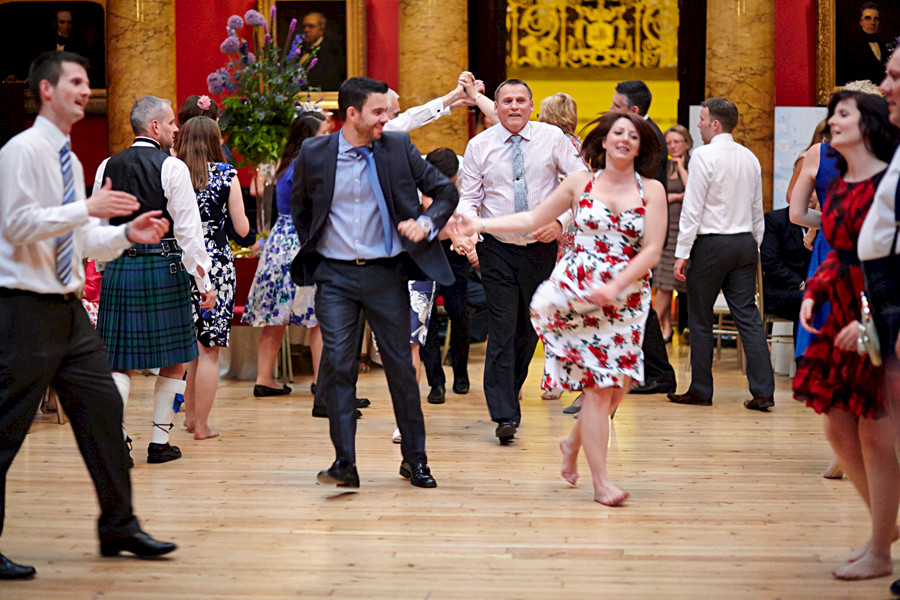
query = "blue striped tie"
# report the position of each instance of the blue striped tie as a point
(372, 172)
(64, 241)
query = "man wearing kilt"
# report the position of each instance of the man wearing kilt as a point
(146, 317)
(46, 228)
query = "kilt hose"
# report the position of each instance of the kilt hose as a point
(146, 317)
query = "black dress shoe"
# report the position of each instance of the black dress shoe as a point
(363, 402)
(436, 395)
(654, 387)
(762, 403)
(11, 570)
(895, 588)
(690, 397)
(139, 544)
(418, 474)
(261, 391)
(340, 473)
(161, 453)
(506, 429)
(322, 412)
(461, 386)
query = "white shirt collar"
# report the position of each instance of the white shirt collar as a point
(53, 133)
(505, 133)
(722, 137)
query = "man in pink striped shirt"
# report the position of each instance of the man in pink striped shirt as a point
(509, 168)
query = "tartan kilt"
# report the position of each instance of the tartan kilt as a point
(145, 316)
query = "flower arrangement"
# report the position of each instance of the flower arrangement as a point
(259, 88)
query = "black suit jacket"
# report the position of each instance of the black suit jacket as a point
(401, 170)
(856, 61)
(785, 259)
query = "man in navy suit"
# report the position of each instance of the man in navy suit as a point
(363, 236)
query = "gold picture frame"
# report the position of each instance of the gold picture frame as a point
(825, 40)
(354, 31)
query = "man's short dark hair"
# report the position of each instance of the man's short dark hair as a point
(511, 82)
(636, 94)
(49, 66)
(868, 6)
(354, 91)
(444, 160)
(723, 111)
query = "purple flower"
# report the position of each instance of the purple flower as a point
(293, 26)
(247, 128)
(245, 100)
(254, 18)
(231, 44)
(235, 22)
(268, 39)
(250, 59)
(215, 82)
(313, 62)
(272, 12)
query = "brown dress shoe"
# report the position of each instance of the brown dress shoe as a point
(762, 404)
(690, 397)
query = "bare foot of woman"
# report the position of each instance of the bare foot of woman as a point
(608, 494)
(869, 566)
(203, 433)
(189, 425)
(864, 549)
(570, 461)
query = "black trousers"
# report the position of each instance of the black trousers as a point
(511, 274)
(456, 303)
(657, 367)
(726, 263)
(380, 290)
(49, 341)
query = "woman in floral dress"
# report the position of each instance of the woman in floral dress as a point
(590, 314)
(274, 301)
(199, 145)
(832, 377)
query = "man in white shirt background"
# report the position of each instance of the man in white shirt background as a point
(720, 231)
(146, 316)
(509, 168)
(46, 228)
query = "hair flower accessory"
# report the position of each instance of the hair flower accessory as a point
(203, 102)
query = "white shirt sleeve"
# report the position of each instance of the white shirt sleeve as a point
(471, 179)
(692, 206)
(417, 116)
(187, 227)
(756, 210)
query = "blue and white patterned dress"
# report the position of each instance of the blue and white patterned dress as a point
(273, 298)
(214, 325)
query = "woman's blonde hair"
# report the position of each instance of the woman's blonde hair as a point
(560, 110)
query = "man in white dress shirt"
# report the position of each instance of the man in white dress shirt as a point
(720, 231)
(146, 316)
(877, 241)
(46, 228)
(509, 168)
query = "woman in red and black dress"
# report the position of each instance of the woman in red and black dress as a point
(832, 378)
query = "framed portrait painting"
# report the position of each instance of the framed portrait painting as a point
(853, 42)
(335, 30)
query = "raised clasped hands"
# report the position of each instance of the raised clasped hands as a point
(472, 86)
(107, 202)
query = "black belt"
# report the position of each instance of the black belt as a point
(164, 248)
(359, 262)
(848, 257)
(14, 293)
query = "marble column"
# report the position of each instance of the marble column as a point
(140, 50)
(740, 66)
(433, 50)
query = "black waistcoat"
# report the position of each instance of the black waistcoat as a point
(138, 170)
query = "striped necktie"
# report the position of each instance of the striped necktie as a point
(64, 241)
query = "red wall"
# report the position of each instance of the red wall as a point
(795, 52)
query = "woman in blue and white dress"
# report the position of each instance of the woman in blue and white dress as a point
(274, 301)
(199, 145)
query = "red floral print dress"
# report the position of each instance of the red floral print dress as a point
(828, 377)
(588, 346)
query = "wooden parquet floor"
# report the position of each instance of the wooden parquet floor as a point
(725, 503)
